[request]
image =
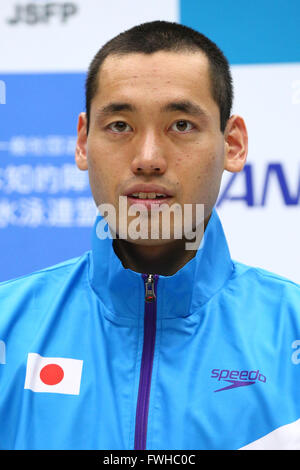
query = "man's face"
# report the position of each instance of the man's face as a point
(164, 129)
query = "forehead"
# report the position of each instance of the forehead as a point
(163, 73)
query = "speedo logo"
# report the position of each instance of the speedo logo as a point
(237, 378)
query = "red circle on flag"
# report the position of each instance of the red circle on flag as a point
(51, 374)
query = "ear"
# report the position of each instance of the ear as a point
(236, 144)
(81, 145)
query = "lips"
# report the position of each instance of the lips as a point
(148, 188)
(146, 202)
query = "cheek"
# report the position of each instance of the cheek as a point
(200, 176)
(179, 160)
(101, 176)
(201, 163)
(210, 173)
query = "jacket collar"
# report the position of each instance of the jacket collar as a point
(122, 290)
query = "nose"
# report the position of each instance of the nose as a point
(149, 157)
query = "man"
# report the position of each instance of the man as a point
(142, 343)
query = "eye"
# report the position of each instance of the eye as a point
(182, 126)
(119, 127)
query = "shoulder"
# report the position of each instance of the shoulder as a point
(43, 282)
(33, 303)
(260, 282)
(263, 275)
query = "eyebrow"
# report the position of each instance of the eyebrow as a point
(113, 108)
(185, 106)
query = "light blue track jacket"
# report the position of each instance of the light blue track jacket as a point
(96, 356)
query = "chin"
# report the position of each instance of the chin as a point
(152, 242)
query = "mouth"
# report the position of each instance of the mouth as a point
(148, 200)
(148, 195)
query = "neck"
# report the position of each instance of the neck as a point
(165, 259)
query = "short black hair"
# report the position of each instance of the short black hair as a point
(156, 36)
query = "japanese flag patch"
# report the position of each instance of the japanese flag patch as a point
(53, 374)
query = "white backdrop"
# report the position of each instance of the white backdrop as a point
(62, 37)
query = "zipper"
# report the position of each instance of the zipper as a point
(142, 408)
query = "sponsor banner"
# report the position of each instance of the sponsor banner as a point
(44, 36)
(261, 31)
(260, 207)
(46, 207)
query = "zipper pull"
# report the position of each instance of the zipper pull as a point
(149, 289)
